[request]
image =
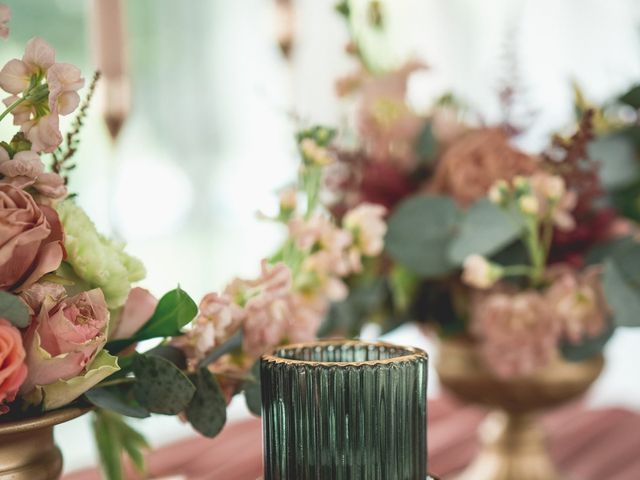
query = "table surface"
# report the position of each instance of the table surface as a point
(587, 444)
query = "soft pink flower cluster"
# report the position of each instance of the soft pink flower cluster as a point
(520, 332)
(37, 112)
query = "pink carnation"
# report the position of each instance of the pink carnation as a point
(518, 333)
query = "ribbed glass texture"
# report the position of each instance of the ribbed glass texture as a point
(344, 410)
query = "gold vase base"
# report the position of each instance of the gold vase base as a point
(512, 448)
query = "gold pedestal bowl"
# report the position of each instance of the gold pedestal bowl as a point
(512, 443)
(27, 448)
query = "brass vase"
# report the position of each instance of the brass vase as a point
(27, 448)
(513, 446)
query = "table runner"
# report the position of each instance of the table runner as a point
(586, 444)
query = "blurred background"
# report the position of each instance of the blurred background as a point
(208, 138)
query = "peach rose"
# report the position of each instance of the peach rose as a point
(30, 239)
(65, 334)
(13, 370)
(472, 164)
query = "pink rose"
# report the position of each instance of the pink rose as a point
(13, 370)
(30, 239)
(64, 336)
(136, 311)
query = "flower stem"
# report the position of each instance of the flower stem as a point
(12, 106)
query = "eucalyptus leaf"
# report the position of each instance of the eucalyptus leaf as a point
(426, 145)
(616, 156)
(160, 386)
(207, 411)
(419, 234)
(484, 230)
(621, 296)
(252, 391)
(13, 309)
(632, 97)
(117, 399)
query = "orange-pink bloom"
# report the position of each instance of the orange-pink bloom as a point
(13, 370)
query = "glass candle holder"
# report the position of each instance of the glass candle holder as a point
(344, 410)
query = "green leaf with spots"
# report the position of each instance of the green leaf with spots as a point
(207, 411)
(252, 391)
(160, 386)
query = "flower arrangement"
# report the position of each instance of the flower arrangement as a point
(530, 257)
(71, 317)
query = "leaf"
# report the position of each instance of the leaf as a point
(207, 411)
(588, 347)
(484, 230)
(62, 392)
(253, 392)
(426, 145)
(113, 438)
(419, 234)
(598, 253)
(173, 354)
(175, 309)
(108, 446)
(160, 386)
(14, 309)
(116, 399)
(621, 296)
(615, 153)
(632, 97)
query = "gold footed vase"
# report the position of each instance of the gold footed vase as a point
(513, 446)
(27, 448)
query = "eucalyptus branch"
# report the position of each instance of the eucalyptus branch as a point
(227, 347)
(61, 157)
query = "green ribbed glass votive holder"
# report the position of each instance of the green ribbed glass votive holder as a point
(344, 410)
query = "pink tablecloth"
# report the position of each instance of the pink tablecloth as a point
(586, 444)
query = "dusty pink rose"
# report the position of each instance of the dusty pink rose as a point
(64, 82)
(25, 170)
(5, 16)
(64, 336)
(31, 239)
(137, 310)
(578, 302)
(13, 370)
(43, 133)
(518, 333)
(16, 74)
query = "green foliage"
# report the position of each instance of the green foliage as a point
(615, 153)
(322, 135)
(160, 386)
(13, 309)
(175, 309)
(426, 146)
(114, 437)
(632, 97)
(588, 347)
(403, 285)
(118, 399)
(485, 230)
(252, 390)
(419, 233)
(207, 411)
(623, 296)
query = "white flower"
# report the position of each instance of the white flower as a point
(529, 205)
(478, 272)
